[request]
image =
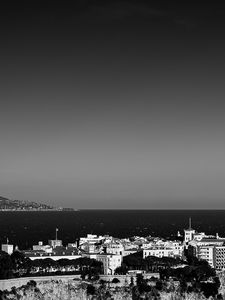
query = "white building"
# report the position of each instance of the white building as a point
(147, 245)
(40, 246)
(213, 253)
(219, 260)
(114, 247)
(208, 242)
(56, 254)
(178, 248)
(7, 248)
(92, 239)
(55, 243)
(129, 245)
(110, 261)
(158, 252)
(206, 253)
(198, 236)
(55, 257)
(129, 251)
(90, 248)
(189, 233)
(192, 235)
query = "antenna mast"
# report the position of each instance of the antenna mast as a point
(190, 223)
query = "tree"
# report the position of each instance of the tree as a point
(135, 293)
(132, 281)
(90, 289)
(21, 263)
(159, 285)
(93, 277)
(122, 270)
(142, 284)
(115, 280)
(209, 289)
(6, 266)
(32, 283)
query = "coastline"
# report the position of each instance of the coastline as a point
(37, 210)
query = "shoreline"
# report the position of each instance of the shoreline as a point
(37, 210)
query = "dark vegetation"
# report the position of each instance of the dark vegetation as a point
(149, 264)
(197, 276)
(17, 265)
(115, 280)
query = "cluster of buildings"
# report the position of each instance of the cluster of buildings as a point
(110, 251)
(107, 249)
(161, 248)
(205, 247)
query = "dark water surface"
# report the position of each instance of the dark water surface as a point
(27, 228)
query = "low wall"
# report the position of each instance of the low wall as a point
(126, 279)
(7, 284)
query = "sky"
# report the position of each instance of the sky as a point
(113, 104)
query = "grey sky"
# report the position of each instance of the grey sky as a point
(119, 112)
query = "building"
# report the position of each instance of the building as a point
(7, 248)
(45, 248)
(55, 243)
(114, 247)
(162, 248)
(219, 260)
(198, 236)
(158, 252)
(90, 248)
(206, 253)
(92, 239)
(176, 246)
(130, 251)
(189, 233)
(147, 245)
(110, 261)
(210, 241)
(56, 254)
(214, 254)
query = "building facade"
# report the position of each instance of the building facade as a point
(158, 252)
(207, 253)
(7, 248)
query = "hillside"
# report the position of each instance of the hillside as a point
(84, 290)
(8, 204)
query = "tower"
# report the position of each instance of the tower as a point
(189, 233)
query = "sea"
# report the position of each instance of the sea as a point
(25, 229)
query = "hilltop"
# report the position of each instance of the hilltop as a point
(22, 205)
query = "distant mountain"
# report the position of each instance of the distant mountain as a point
(3, 198)
(8, 204)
